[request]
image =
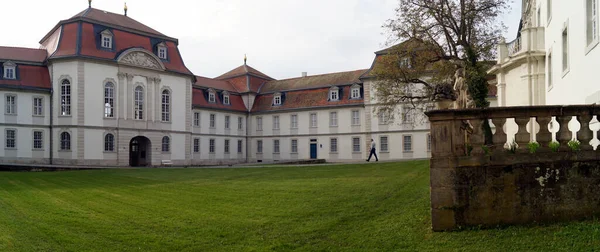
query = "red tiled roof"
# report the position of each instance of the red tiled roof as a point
(23, 54)
(244, 70)
(213, 83)
(30, 76)
(304, 99)
(114, 19)
(199, 100)
(315, 81)
(123, 41)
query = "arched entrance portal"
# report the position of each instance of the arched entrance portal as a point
(139, 151)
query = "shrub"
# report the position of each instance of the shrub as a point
(533, 146)
(574, 145)
(554, 146)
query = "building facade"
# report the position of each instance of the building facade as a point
(106, 90)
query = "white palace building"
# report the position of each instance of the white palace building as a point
(106, 90)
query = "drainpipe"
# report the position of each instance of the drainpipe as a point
(51, 123)
(247, 139)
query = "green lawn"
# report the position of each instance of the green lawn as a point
(376, 206)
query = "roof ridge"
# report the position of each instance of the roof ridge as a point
(319, 75)
(86, 12)
(18, 47)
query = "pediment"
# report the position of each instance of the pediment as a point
(138, 57)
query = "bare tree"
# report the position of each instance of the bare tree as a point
(439, 37)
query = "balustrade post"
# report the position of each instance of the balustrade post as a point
(522, 137)
(499, 137)
(544, 137)
(585, 134)
(477, 138)
(563, 136)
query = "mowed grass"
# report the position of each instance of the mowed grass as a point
(367, 207)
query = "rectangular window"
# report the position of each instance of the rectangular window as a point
(333, 148)
(240, 123)
(294, 146)
(211, 146)
(196, 145)
(212, 121)
(548, 10)
(276, 146)
(313, 120)
(226, 122)
(407, 144)
(106, 42)
(162, 52)
(226, 99)
(38, 106)
(539, 17)
(277, 100)
(334, 95)
(407, 115)
(240, 143)
(197, 119)
(38, 140)
(592, 21)
(333, 119)
(259, 146)
(355, 117)
(356, 144)
(11, 105)
(565, 50)
(259, 123)
(211, 97)
(9, 73)
(428, 142)
(275, 122)
(383, 144)
(226, 145)
(383, 118)
(355, 93)
(294, 121)
(11, 139)
(549, 60)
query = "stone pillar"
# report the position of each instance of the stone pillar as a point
(129, 97)
(121, 97)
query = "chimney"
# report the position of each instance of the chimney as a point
(304, 74)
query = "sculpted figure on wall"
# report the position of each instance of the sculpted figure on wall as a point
(463, 99)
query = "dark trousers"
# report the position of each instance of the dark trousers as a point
(373, 153)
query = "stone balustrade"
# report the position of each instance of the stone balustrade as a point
(514, 46)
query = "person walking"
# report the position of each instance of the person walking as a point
(372, 151)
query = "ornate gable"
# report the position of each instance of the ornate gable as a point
(140, 58)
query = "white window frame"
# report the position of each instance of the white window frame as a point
(109, 142)
(294, 146)
(314, 120)
(213, 121)
(212, 145)
(333, 145)
(211, 96)
(106, 40)
(65, 141)
(165, 105)
(275, 122)
(591, 24)
(138, 107)
(276, 146)
(196, 119)
(294, 121)
(383, 118)
(38, 143)
(334, 94)
(10, 142)
(65, 97)
(259, 124)
(259, 146)
(109, 100)
(355, 92)
(226, 99)
(10, 70)
(166, 144)
(240, 148)
(277, 100)
(407, 148)
(565, 66)
(240, 123)
(10, 104)
(227, 121)
(356, 148)
(333, 119)
(196, 144)
(226, 146)
(384, 146)
(162, 51)
(355, 117)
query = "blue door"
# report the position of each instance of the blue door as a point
(313, 151)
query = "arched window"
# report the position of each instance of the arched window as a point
(165, 144)
(65, 141)
(109, 100)
(166, 106)
(65, 98)
(139, 103)
(109, 142)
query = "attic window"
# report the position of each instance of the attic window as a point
(355, 92)
(162, 51)
(277, 99)
(211, 96)
(405, 62)
(334, 94)
(226, 98)
(10, 70)
(107, 39)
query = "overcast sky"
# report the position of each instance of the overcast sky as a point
(282, 38)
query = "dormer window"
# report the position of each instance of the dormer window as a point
(10, 70)
(405, 62)
(107, 39)
(162, 51)
(226, 98)
(277, 99)
(355, 92)
(334, 94)
(211, 96)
